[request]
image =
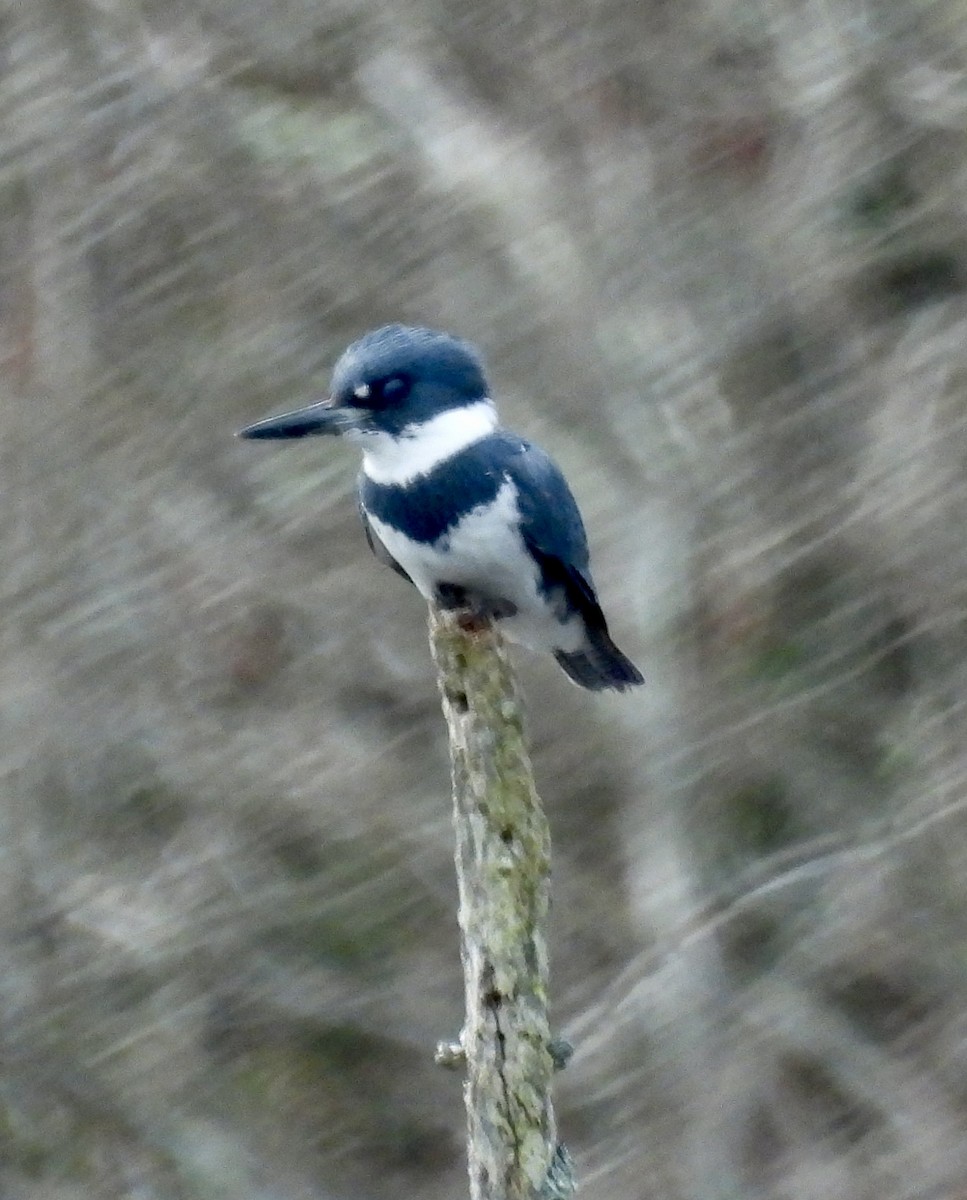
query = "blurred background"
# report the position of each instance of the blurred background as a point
(715, 254)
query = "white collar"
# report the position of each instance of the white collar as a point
(420, 448)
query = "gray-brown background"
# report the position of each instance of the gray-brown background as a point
(714, 251)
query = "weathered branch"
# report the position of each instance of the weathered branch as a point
(503, 869)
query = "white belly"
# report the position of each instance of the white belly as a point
(484, 552)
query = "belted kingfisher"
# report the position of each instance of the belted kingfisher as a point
(478, 519)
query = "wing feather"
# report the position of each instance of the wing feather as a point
(553, 530)
(380, 552)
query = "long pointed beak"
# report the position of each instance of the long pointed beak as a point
(317, 419)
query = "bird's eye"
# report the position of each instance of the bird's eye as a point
(380, 393)
(394, 389)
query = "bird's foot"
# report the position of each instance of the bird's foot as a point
(472, 611)
(472, 622)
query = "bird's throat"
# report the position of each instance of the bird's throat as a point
(419, 449)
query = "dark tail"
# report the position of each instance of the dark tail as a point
(600, 665)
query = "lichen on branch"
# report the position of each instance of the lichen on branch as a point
(503, 859)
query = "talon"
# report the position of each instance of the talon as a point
(471, 622)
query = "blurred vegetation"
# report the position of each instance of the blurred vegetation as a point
(715, 256)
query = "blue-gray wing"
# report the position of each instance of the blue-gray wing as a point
(552, 528)
(379, 550)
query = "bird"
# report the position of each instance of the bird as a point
(478, 519)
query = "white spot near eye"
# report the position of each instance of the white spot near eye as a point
(361, 392)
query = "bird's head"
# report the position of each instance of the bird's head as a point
(388, 386)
